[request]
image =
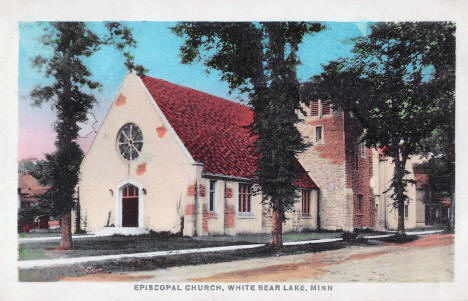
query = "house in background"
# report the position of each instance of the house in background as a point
(28, 189)
(170, 158)
(386, 213)
(422, 198)
(438, 212)
(433, 210)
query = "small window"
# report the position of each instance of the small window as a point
(318, 134)
(305, 202)
(244, 197)
(212, 195)
(406, 211)
(326, 107)
(129, 191)
(314, 108)
(377, 210)
(359, 202)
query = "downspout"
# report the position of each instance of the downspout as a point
(195, 210)
(225, 208)
(318, 209)
(382, 191)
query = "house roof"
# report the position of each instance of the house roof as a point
(214, 130)
(421, 180)
(30, 187)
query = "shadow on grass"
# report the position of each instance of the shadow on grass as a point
(399, 238)
(118, 244)
(144, 264)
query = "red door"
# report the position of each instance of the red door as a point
(130, 206)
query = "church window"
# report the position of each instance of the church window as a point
(129, 141)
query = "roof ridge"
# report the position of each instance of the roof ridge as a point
(215, 131)
(199, 91)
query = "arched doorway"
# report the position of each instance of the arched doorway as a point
(130, 206)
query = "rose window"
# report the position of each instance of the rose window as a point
(130, 141)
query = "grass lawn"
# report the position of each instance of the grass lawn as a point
(266, 237)
(428, 228)
(26, 253)
(116, 244)
(142, 264)
(39, 234)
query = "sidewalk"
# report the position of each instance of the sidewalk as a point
(407, 233)
(26, 264)
(37, 239)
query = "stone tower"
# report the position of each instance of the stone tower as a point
(340, 165)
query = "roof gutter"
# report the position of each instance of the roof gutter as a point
(225, 177)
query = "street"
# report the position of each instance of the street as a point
(428, 259)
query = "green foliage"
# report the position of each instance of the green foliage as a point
(400, 86)
(70, 94)
(440, 166)
(60, 172)
(440, 178)
(27, 165)
(29, 213)
(259, 59)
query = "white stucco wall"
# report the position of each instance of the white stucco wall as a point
(387, 218)
(168, 170)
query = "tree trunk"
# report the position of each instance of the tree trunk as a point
(67, 242)
(78, 218)
(399, 190)
(451, 209)
(451, 155)
(277, 230)
(401, 217)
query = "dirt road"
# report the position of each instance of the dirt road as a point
(428, 259)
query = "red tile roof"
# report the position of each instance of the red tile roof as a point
(214, 130)
(421, 180)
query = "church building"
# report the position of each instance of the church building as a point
(171, 158)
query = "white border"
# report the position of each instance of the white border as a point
(223, 10)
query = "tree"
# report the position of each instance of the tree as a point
(35, 209)
(70, 94)
(26, 165)
(440, 167)
(259, 59)
(400, 86)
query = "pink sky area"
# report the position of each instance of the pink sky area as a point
(36, 137)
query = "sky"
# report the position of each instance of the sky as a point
(158, 51)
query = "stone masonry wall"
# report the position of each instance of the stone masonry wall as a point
(325, 163)
(358, 176)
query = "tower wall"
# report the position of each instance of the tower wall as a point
(325, 161)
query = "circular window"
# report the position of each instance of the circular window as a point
(130, 141)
